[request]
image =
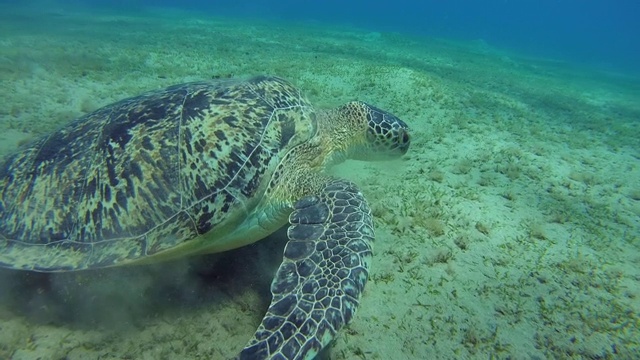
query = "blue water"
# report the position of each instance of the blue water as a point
(604, 33)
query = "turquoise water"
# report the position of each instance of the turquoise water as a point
(597, 32)
(509, 230)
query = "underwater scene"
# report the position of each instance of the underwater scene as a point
(493, 146)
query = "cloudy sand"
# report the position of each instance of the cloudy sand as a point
(509, 230)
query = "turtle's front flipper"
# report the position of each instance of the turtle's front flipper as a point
(318, 285)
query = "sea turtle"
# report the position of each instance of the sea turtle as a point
(206, 167)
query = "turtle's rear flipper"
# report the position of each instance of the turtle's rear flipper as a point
(318, 285)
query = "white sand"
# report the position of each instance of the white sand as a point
(510, 230)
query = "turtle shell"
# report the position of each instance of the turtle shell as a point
(147, 174)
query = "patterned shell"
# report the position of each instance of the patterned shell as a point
(147, 173)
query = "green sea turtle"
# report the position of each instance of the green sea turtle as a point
(207, 167)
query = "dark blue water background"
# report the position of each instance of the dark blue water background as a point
(605, 33)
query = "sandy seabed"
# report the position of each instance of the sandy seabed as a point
(510, 229)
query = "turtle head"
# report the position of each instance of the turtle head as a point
(382, 135)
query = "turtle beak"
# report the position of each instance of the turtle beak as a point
(404, 139)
